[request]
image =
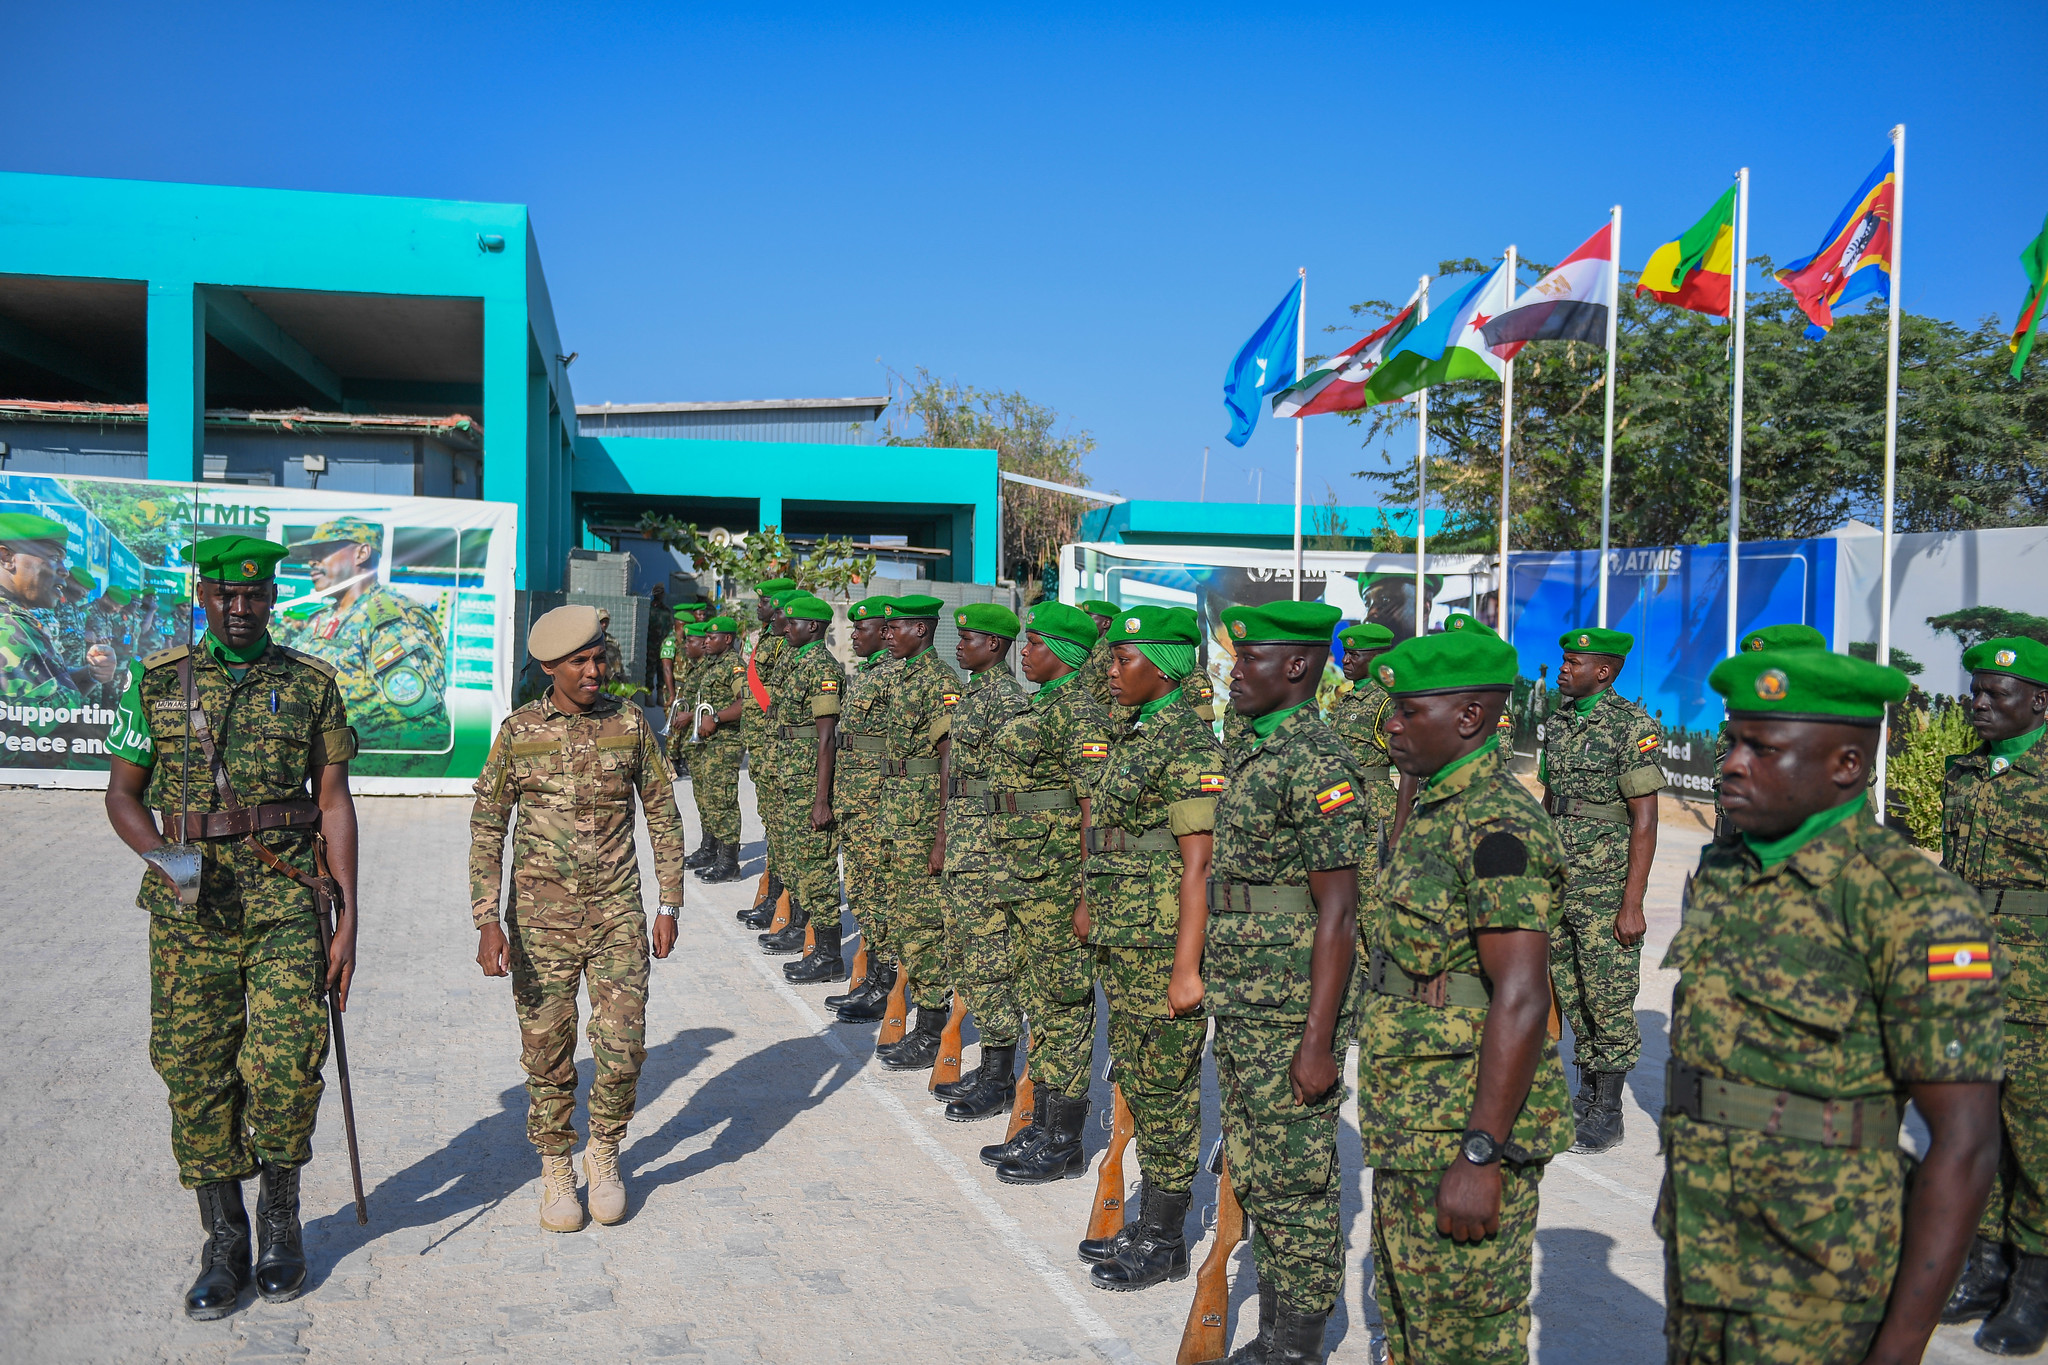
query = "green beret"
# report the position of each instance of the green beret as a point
(1304, 623)
(29, 526)
(1366, 635)
(1367, 580)
(770, 587)
(2016, 655)
(719, 625)
(915, 605)
(802, 606)
(1063, 622)
(340, 531)
(988, 618)
(82, 576)
(693, 629)
(1597, 640)
(1155, 626)
(1807, 684)
(869, 607)
(1783, 637)
(236, 559)
(1097, 607)
(1465, 620)
(120, 597)
(1450, 661)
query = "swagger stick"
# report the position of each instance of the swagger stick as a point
(323, 903)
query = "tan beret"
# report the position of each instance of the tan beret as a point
(563, 631)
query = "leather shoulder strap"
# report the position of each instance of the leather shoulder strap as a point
(195, 715)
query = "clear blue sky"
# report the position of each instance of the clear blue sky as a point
(1093, 207)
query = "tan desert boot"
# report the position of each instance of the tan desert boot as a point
(607, 1190)
(560, 1209)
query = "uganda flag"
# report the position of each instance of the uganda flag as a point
(1965, 961)
(1697, 271)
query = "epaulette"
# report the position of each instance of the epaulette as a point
(165, 656)
(310, 660)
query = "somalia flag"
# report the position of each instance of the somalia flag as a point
(1855, 257)
(1263, 365)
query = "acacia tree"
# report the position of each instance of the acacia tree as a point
(831, 566)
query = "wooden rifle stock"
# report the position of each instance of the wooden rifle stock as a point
(1020, 1111)
(1106, 1219)
(810, 937)
(946, 1069)
(860, 962)
(781, 920)
(761, 886)
(1207, 1335)
(897, 1011)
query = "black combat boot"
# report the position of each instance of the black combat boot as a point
(1298, 1337)
(1600, 1125)
(2020, 1326)
(707, 849)
(970, 1077)
(1582, 1099)
(761, 913)
(1982, 1287)
(872, 1003)
(1096, 1250)
(1253, 1352)
(833, 1002)
(1057, 1155)
(995, 1088)
(790, 937)
(997, 1153)
(224, 1260)
(724, 868)
(920, 1047)
(280, 1256)
(1156, 1249)
(825, 962)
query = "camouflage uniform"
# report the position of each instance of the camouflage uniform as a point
(1094, 673)
(1418, 1065)
(1360, 718)
(576, 911)
(681, 669)
(1161, 782)
(857, 795)
(30, 667)
(979, 954)
(1994, 835)
(391, 662)
(1289, 807)
(1048, 757)
(70, 632)
(719, 679)
(1807, 982)
(919, 714)
(1597, 756)
(238, 1020)
(758, 734)
(807, 688)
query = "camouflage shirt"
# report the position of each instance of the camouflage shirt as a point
(1606, 756)
(857, 775)
(1290, 806)
(1994, 833)
(31, 669)
(1478, 853)
(572, 779)
(755, 730)
(807, 688)
(988, 699)
(389, 658)
(1094, 672)
(918, 715)
(1163, 775)
(1360, 717)
(717, 680)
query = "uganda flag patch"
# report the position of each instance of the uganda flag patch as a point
(1335, 798)
(950, 698)
(1959, 961)
(830, 684)
(1093, 749)
(1212, 783)
(1647, 744)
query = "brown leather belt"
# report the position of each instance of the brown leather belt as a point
(230, 824)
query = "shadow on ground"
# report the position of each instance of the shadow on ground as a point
(1589, 1313)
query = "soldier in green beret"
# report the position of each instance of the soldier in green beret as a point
(1600, 778)
(804, 709)
(759, 733)
(1461, 1097)
(857, 797)
(389, 652)
(1360, 717)
(1827, 972)
(978, 945)
(1766, 637)
(73, 593)
(715, 707)
(1279, 969)
(1994, 835)
(243, 747)
(1151, 838)
(1095, 672)
(32, 566)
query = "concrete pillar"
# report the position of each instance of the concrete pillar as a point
(771, 511)
(508, 463)
(177, 380)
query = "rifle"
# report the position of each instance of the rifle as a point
(781, 920)
(1020, 1109)
(1207, 1334)
(1107, 1217)
(897, 1011)
(860, 961)
(946, 1069)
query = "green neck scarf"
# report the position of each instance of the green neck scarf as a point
(221, 650)
(1152, 708)
(1774, 851)
(878, 656)
(805, 650)
(1584, 705)
(1492, 743)
(2009, 749)
(1047, 688)
(1264, 726)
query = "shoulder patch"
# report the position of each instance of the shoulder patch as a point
(1959, 961)
(828, 684)
(1211, 783)
(950, 698)
(1647, 744)
(312, 661)
(1500, 854)
(169, 656)
(1094, 749)
(1335, 797)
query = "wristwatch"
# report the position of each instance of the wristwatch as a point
(670, 910)
(1478, 1147)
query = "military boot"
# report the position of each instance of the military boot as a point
(1982, 1287)
(1096, 1250)
(833, 1002)
(920, 1047)
(560, 1209)
(1057, 1155)
(706, 851)
(871, 1004)
(825, 962)
(1297, 1337)
(1156, 1249)
(1253, 1352)
(1599, 1128)
(280, 1251)
(761, 913)
(969, 1078)
(2020, 1326)
(726, 867)
(995, 1088)
(997, 1153)
(790, 938)
(1583, 1097)
(224, 1259)
(607, 1188)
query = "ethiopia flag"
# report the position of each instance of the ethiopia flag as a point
(2035, 260)
(1338, 384)
(1568, 304)
(1697, 271)
(1449, 344)
(1855, 257)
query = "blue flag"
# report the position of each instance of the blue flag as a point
(1264, 365)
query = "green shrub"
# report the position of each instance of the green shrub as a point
(1913, 776)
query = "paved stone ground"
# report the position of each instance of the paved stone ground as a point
(790, 1201)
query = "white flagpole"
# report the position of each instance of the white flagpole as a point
(1300, 369)
(1607, 440)
(1740, 311)
(1891, 440)
(1507, 459)
(1421, 469)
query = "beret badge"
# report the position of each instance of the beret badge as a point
(1585, 639)
(1237, 629)
(1771, 684)
(1387, 675)
(2007, 658)
(1131, 626)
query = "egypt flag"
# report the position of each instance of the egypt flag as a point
(1338, 384)
(1568, 304)
(1696, 272)
(1449, 344)
(1855, 257)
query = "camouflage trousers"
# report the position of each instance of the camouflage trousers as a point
(2018, 1211)
(917, 918)
(1158, 1063)
(981, 958)
(768, 805)
(715, 787)
(1283, 1159)
(1719, 1336)
(867, 889)
(811, 856)
(1447, 1302)
(1595, 978)
(238, 1032)
(610, 960)
(1056, 986)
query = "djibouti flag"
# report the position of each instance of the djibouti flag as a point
(1449, 344)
